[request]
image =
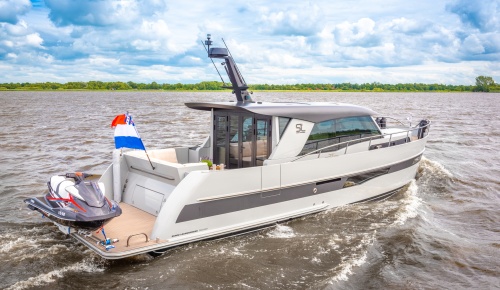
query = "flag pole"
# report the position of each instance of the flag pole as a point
(133, 138)
(147, 155)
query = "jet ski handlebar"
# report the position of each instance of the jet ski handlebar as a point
(77, 176)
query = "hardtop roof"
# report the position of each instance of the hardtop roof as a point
(308, 111)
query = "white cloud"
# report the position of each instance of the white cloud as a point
(273, 42)
(295, 20)
(34, 39)
(18, 29)
(104, 61)
(408, 26)
(102, 13)
(473, 45)
(483, 15)
(10, 10)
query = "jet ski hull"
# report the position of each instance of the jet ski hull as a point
(68, 217)
(74, 202)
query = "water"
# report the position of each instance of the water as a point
(441, 232)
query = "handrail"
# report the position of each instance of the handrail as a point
(370, 138)
(315, 142)
(405, 125)
(152, 173)
(147, 239)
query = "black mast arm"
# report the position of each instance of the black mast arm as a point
(238, 84)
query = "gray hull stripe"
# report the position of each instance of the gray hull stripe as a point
(217, 207)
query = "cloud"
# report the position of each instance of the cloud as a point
(473, 45)
(276, 42)
(34, 40)
(408, 26)
(10, 10)
(101, 13)
(19, 38)
(301, 20)
(481, 47)
(483, 15)
(361, 33)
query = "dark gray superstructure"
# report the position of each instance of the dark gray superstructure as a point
(312, 112)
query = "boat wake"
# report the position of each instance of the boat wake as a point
(410, 204)
(31, 243)
(281, 232)
(345, 269)
(88, 265)
(391, 214)
(430, 171)
(40, 247)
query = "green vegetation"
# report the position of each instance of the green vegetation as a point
(483, 84)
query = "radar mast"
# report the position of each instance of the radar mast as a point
(238, 84)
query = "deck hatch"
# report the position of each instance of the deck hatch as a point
(148, 200)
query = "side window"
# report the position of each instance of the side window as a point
(283, 123)
(336, 131)
(356, 126)
(323, 130)
(322, 134)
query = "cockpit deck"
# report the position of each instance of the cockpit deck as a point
(132, 229)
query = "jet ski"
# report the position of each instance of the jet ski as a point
(75, 201)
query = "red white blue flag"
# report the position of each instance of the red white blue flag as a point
(126, 135)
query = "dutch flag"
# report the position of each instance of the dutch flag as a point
(126, 136)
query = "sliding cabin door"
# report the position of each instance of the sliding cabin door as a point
(220, 140)
(241, 140)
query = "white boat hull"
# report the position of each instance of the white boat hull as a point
(207, 204)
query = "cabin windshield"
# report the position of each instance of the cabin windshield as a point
(338, 131)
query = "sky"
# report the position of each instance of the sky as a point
(273, 42)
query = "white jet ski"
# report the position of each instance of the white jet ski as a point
(75, 201)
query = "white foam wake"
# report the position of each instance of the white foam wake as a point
(411, 203)
(281, 232)
(52, 276)
(434, 168)
(346, 267)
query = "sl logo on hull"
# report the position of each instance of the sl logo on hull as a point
(299, 128)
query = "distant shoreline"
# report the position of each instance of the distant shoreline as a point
(217, 86)
(264, 91)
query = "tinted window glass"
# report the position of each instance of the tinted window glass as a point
(262, 134)
(323, 130)
(220, 137)
(337, 131)
(283, 122)
(355, 126)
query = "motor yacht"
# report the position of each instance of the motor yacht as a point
(261, 163)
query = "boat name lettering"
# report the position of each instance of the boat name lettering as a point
(299, 128)
(191, 232)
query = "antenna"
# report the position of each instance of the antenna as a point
(208, 42)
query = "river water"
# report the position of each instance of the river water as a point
(441, 232)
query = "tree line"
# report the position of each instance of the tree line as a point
(483, 83)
